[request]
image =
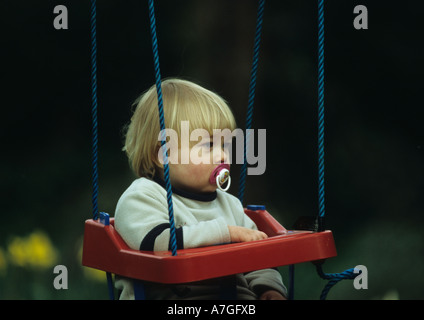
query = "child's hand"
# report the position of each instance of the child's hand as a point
(241, 234)
(272, 295)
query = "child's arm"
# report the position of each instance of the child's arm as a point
(141, 218)
(242, 234)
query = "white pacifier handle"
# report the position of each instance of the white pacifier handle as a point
(220, 177)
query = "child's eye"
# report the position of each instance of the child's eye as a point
(208, 145)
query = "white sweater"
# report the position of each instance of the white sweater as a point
(141, 218)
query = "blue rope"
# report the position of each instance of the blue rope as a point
(95, 175)
(334, 278)
(252, 88)
(162, 125)
(321, 193)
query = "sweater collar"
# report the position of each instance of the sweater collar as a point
(205, 197)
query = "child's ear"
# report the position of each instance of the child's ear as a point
(158, 158)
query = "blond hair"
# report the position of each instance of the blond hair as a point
(182, 101)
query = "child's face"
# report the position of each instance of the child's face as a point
(203, 157)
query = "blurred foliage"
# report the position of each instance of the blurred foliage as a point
(35, 251)
(374, 132)
(26, 270)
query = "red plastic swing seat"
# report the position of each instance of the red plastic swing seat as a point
(104, 249)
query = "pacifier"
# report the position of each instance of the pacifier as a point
(220, 175)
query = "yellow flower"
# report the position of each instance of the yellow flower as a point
(94, 274)
(35, 251)
(17, 252)
(43, 255)
(3, 263)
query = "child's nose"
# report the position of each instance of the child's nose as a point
(220, 155)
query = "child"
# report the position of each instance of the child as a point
(204, 215)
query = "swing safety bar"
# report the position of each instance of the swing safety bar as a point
(104, 249)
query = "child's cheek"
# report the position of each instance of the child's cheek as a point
(196, 170)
